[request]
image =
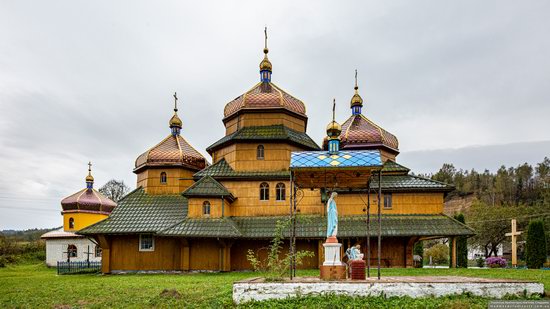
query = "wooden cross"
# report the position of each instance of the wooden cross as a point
(68, 255)
(514, 235)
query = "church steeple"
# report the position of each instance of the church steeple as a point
(333, 131)
(356, 100)
(175, 121)
(90, 178)
(265, 66)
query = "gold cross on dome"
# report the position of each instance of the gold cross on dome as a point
(89, 166)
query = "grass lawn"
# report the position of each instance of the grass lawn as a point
(37, 286)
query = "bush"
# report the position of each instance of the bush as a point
(439, 254)
(418, 250)
(480, 262)
(535, 247)
(461, 246)
(496, 262)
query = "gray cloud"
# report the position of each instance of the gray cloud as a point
(93, 81)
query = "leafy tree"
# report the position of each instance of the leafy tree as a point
(438, 252)
(535, 248)
(418, 250)
(114, 189)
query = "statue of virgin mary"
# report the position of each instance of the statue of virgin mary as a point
(332, 216)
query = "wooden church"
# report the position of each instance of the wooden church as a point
(188, 214)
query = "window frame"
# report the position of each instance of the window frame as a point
(98, 252)
(206, 205)
(280, 192)
(72, 253)
(71, 223)
(388, 201)
(141, 249)
(260, 152)
(264, 188)
(163, 178)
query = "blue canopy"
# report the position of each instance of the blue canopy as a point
(340, 160)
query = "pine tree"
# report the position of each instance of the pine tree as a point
(461, 246)
(535, 248)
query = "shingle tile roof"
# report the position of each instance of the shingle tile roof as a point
(222, 170)
(263, 133)
(139, 212)
(409, 182)
(207, 186)
(394, 168)
(315, 227)
(204, 227)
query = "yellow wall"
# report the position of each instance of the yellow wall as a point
(265, 119)
(242, 157)
(195, 207)
(149, 179)
(248, 202)
(81, 220)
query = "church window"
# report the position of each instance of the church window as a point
(260, 152)
(264, 191)
(280, 192)
(72, 251)
(98, 251)
(388, 201)
(163, 177)
(146, 242)
(71, 223)
(206, 208)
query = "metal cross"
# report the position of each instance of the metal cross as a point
(89, 166)
(175, 101)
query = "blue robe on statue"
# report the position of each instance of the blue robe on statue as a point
(332, 217)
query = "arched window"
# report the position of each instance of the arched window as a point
(163, 177)
(72, 251)
(206, 208)
(71, 223)
(264, 191)
(280, 192)
(260, 152)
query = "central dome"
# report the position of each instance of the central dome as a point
(265, 95)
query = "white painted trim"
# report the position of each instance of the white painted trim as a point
(152, 240)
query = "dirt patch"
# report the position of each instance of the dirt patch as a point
(170, 293)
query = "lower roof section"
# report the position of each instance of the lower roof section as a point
(315, 227)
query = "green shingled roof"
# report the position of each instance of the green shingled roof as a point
(315, 227)
(266, 133)
(222, 170)
(204, 227)
(207, 186)
(409, 183)
(391, 167)
(139, 212)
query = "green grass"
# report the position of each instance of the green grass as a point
(35, 286)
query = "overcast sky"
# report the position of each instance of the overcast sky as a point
(93, 80)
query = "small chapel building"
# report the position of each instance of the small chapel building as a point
(80, 210)
(187, 214)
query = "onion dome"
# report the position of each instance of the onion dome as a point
(265, 95)
(333, 132)
(173, 151)
(359, 132)
(88, 200)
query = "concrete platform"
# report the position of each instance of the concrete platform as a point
(258, 289)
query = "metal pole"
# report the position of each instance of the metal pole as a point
(294, 233)
(368, 228)
(292, 197)
(379, 221)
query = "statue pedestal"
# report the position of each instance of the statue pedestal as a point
(333, 268)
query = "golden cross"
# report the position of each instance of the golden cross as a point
(175, 101)
(514, 235)
(89, 166)
(356, 79)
